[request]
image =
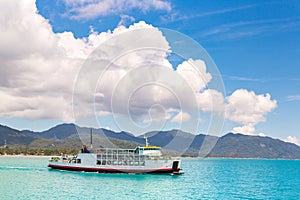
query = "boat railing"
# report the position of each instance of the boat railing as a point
(115, 151)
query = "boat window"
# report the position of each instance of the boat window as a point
(151, 148)
(78, 161)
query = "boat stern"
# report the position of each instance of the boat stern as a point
(176, 167)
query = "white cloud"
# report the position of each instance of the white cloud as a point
(88, 9)
(247, 129)
(211, 100)
(181, 117)
(33, 82)
(261, 134)
(39, 69)
(194, 72)
(293, 98)
(103, 113)
(292, 139)
(125, 19)
(247, 108)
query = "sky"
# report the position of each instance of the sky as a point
(246, 81)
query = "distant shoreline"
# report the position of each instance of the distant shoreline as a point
(237, 158)
(26, 156)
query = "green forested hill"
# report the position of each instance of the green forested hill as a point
(65, 138)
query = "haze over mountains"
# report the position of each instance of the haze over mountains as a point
(174, 141)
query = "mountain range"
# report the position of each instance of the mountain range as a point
(172, 141)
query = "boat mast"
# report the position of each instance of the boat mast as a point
(91, 132)
(146, 139)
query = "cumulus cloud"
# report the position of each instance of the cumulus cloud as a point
(247, 129)
(125, 19)
(210, 100)
(49, 75)
(119, 68)
(32, 66)
(181, 117)
(39, 69)
(196, 75)
(292, 139)
(88, 9)
(194, 72)
(247, 108)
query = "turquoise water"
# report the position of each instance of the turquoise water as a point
(29, 178)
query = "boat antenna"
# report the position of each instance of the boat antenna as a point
(146, 139)
(91, 132)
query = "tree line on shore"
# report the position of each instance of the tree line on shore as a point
(23, 150)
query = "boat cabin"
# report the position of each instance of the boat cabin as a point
(148, 151)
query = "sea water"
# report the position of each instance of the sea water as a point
(29, 178)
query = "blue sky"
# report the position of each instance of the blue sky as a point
(255, 45)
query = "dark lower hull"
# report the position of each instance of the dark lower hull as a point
(113, 170)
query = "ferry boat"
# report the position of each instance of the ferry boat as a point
(142, 159)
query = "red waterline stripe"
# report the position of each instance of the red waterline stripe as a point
(109, 170)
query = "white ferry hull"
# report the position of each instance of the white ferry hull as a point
(146, 159)
(89, 162)
(111, 169)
